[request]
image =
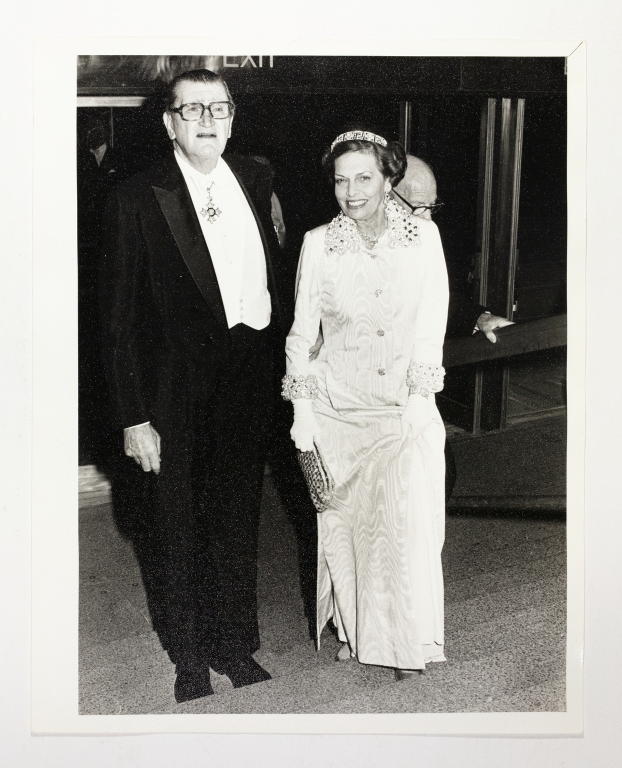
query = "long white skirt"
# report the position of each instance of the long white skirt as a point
(379, 545)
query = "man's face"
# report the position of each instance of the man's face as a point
(96, 137)
(418, 187)
(202, 141)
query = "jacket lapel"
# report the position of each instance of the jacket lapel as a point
(176, 205)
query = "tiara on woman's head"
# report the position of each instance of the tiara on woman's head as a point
(358, 136)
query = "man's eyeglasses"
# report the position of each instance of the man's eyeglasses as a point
(419, 208)
(219, 110)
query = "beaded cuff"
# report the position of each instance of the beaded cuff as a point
(297, 387)
(424, 379)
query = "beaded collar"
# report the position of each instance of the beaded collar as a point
(342, 234)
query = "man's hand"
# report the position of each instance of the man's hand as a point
(487, 323)
(142, 443)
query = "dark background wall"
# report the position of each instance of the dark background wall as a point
(290, 113)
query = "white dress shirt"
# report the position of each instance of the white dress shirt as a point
(234, 244)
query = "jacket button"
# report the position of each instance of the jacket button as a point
(380, 332)
(381, 371)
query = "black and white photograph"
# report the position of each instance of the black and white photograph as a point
(309, 438)
(310, 406)
(323, 384)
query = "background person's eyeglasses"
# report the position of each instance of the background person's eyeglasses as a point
(418, 208)
(219, 110)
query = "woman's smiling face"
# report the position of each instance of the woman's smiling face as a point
(360, 186)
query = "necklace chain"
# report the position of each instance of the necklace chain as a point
(371, 241)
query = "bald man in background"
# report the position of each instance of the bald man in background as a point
(417, 193)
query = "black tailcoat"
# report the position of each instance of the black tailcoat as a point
(171, 360)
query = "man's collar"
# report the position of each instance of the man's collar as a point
(188, 168)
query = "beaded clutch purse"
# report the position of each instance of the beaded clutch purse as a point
(318, 477)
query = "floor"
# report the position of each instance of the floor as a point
(522, 467)
(537, 385)
(505, 627)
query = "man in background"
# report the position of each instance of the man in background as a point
(417, 193)
(99, 170)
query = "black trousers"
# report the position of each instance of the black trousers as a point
(200, 547)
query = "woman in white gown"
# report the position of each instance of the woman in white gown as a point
(374, 280)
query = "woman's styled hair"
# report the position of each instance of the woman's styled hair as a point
(390, 155)
(193, 76)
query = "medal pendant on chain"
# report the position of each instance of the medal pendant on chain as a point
(210, 210)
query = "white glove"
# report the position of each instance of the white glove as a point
(304, 428)
(417, 415)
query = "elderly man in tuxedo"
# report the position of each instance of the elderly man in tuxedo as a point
(192, 326)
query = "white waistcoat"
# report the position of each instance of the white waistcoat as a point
(234, 244)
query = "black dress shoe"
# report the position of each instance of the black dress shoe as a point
(192, 683)
(243, 671)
